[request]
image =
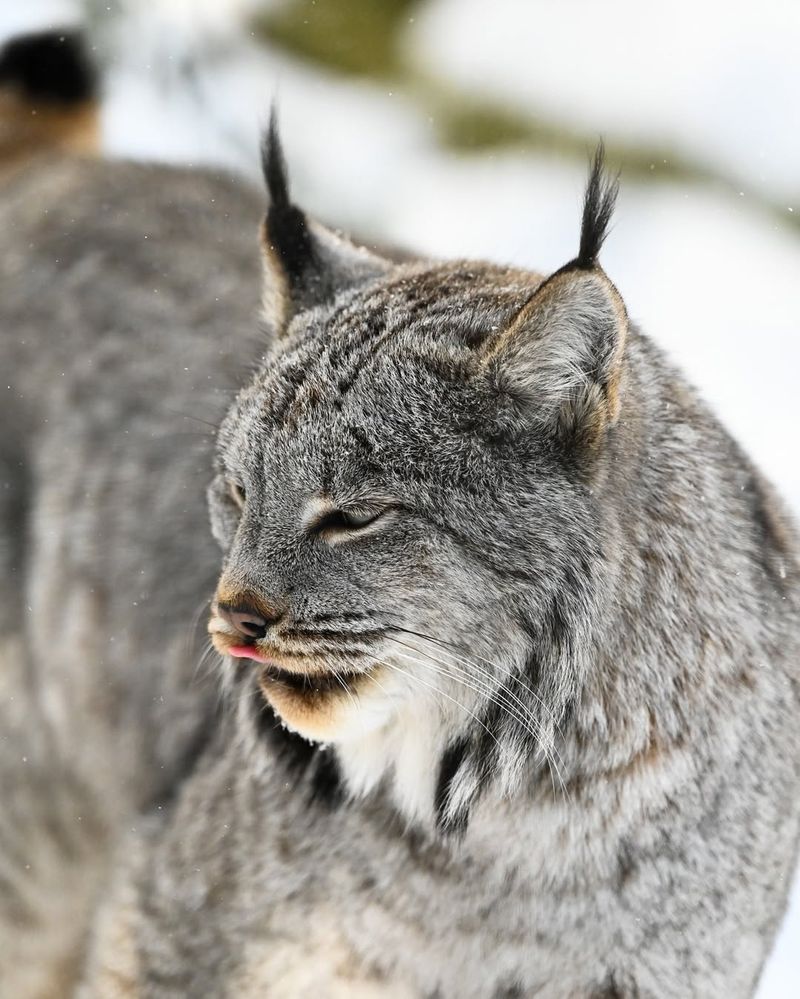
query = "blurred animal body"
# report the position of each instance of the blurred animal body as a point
(509, 626)
(106, 562)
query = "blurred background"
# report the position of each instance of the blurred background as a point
(463, 128)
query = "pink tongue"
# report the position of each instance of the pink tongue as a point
(246, 652)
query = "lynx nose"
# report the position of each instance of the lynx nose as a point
(245, 620)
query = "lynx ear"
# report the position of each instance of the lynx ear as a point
(561, 358)
(306, 263)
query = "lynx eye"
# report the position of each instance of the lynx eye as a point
(236, 493)
(337, 521)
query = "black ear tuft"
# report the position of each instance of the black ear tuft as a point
(273, 163)
(306, 264)
(287, 226)
(598, 207)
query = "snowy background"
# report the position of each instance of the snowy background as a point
(463, 127)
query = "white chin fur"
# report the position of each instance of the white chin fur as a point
(405, 751)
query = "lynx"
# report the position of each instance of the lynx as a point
(506, 624)
(509, 637)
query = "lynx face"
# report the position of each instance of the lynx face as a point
(403, 493)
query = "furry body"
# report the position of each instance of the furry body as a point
(609, 809)
(104, 455)
(653, 873)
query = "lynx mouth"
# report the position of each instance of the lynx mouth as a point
(307, 677)
(318, 705)
(313, 696)
(308, 683)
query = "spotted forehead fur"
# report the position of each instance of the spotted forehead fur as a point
(424, 317)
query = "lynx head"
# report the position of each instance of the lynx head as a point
(404, 498)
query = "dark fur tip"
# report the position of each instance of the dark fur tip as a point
(50, 66)
(449, 765)
(286, 229)
(598, 207)
(273, 163)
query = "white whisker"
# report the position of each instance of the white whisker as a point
(458, 653)
(518, 711)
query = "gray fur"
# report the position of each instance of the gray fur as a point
(577, 770)
(127, 297)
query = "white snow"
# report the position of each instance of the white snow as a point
(714, 79)
(18, 18)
